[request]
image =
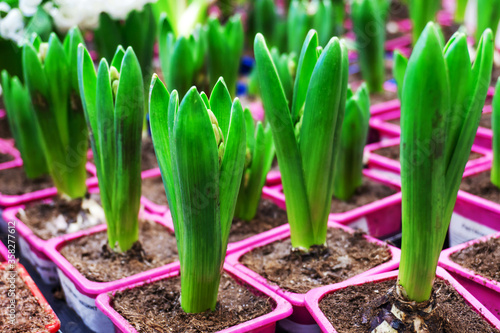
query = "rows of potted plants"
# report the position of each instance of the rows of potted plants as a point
(124, 258)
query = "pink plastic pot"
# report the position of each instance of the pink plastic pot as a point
(316, 295)
(14, 200)
(54, 324)
(6, 148)
(485, 290)
(30, 245)
(474, 217)
(263, 324)
(381, 218)
(80, 292)
(380, 121)
(391, 168)
(300, 314)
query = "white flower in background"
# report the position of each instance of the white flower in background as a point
(85, 13)
(4, 7)
(29, 7)
(12, 26)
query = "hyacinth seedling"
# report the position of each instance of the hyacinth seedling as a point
(349, 167)
(113, 101)
(200, 146)
(307, 138)
(224, 50)
(421, 12)
(50, 75)
(442, 99)
(181, 58)
(23, 125)
(258, 162)
(368, 18)
(400, 62)
(488, 16)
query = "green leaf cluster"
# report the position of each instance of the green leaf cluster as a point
(369, 19)
(488, 16)
(349, 167)
(442, 100)
(495, 126)
(307, 135)
(23, 125)
(50, 75)
(421, 12)
(113, 100)
(200, 146)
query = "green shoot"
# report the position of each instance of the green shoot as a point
(181, 58)
(224, 49)
(495, 126)
(200, 145)
(421, 12)
(400, 62)
(442, 99)
(461, 5)
(24, 127)
(258, 162)
(51, 79)
(307, 138)
(368, 18)
(349, 167)
(488, 16)
(113, 101)
(183, 15)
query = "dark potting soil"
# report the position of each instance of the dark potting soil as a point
(345, 256)
(153, 189)
(356, 308)
(155, 307)
(93, 257)
(481, 186)
(483, 258)
(6, 158)
(5, 132)
(396, 121)
(485, 120)
(49, 220)
(393, 152)
(398, 11)
(148, 157)
(30, 316)
(368, 192)
(449, 30)
(379, 97)
(14, 182)
(268, 216)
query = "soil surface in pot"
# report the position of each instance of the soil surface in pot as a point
(485, 120)
(6, 158)
(483, 258)
(14, 182)
(155, 307)
(93, 257)
(153, 189)
(356, 308)
(398, 11)
(393, 152)
(481, 186)
(30, 315)
(60, 217)
(345, 256)
(5, 132)
(268, 216)
(368, 192)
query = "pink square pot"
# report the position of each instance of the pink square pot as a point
(300, 314)
(263, 324)
(316, 295)
(485, 290)
(6, 148)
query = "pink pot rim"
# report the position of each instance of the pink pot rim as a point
(4, 253)
(314, 296)
(276, 194)
(14, 200)
(283, 308)
(7, 148)
(283, 232)
(474, 199)
(378, 110)
(483, 131)
(395, 166)
(91, 288)
(446, 262)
